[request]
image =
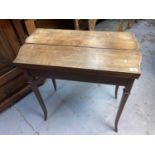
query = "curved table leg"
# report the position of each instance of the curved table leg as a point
(35, 89)
(116, 91)
(32, 83)
(124, 98)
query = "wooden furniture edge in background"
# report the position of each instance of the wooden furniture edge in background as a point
(30, 25)
(13, 85)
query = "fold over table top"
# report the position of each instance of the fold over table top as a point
(115, 52)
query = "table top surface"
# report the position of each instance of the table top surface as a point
(115, 52)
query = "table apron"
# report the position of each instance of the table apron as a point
(83, 77)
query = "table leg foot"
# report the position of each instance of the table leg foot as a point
(124, 98)
(116, 91)
(54, 84)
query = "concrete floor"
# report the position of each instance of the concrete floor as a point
(85, 108)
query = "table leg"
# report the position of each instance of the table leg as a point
(54, 84)
(35, 89)
(77, 24)
(120, 25)
(116, 91)
(130, 23)
(124, 98)
(32, 83)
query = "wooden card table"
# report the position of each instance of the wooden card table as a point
(88, 56)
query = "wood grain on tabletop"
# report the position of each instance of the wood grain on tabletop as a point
(100, 57)
(96, 39)
(105, 51)
(80, 57)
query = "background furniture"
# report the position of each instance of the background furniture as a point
(12, 81)
(91, 24)
(13, 85)
(60, 24)
(130, 23)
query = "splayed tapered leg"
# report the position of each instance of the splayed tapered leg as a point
(32, 83)
(35, 89)
(116, 91)
(54, 84)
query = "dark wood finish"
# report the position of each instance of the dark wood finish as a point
(19, 29)
(9, 44)
(30, 25)
(5, 68)
(12, 81)
(99, 57)
(91, 24)
(17, 95)
(35, 89)
(8, 76)
(14, 97)
(55, 23)
(125, 96)
(11, 87)
(116, 91)
(54, 83)
(78, 75)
